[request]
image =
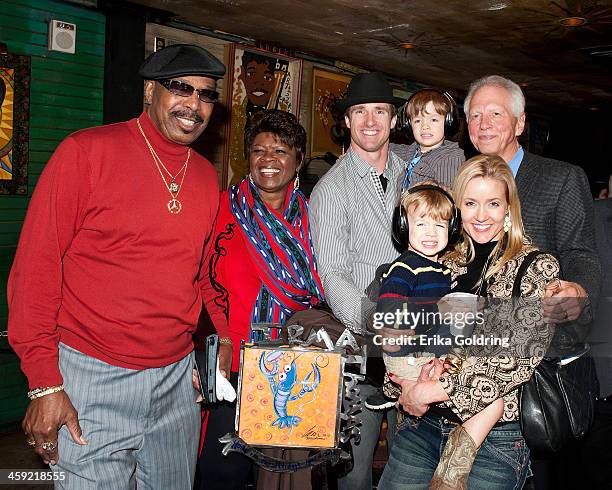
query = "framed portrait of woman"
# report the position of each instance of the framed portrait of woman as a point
(258, 80)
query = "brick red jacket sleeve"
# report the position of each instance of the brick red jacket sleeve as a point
(35, 282)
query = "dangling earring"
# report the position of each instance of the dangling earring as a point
(507, 223)
(296, 182)
(251, 179)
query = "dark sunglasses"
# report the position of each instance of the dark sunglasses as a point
(183, 89)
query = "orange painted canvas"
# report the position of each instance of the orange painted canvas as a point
(289, 397)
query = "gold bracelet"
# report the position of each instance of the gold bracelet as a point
(40, 392)
(225, 340)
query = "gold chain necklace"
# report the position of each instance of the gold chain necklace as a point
(174, 205)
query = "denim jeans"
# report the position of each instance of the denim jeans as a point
(502, 462)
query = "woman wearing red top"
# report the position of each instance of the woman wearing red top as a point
(262, 268)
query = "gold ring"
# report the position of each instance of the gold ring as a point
(455, 363)
(48, 446)
(455, 359)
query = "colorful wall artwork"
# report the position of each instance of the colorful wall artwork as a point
(14, 122)
(258, 80)
(328, 130)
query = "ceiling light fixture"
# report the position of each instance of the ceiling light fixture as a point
(572, 21)
(498, 5)
(407, 45)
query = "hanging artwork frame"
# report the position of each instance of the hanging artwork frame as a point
(14, 123)
(258, 79)
(327, 129)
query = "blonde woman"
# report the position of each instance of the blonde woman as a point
(486, 262)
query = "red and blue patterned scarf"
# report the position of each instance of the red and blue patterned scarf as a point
(281, 249)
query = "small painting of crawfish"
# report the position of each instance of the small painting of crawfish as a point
(283, 384)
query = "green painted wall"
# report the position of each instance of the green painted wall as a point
(66, 95)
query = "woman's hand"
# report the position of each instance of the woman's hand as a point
(224, 359)
(410, 400)
(432, 370)
(418, 395)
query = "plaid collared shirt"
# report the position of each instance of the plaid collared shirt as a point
(376, 182)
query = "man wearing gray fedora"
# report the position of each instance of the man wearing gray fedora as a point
(104, 293)
(351, 209)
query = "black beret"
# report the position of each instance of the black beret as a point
(181, 60)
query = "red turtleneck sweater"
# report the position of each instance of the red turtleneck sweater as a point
(101, 265)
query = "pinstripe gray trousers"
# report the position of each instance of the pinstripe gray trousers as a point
(143, 426)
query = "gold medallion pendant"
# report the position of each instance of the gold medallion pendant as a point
(174, 206)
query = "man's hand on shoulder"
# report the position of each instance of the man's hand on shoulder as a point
(565, 302)
(43, 419)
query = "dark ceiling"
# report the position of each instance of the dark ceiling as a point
(454, 41)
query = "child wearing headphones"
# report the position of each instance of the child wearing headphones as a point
(408, 300)
(414, 283)
(431, 117)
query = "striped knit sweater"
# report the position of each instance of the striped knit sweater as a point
(415, 283)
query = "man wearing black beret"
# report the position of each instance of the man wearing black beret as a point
(104, 293)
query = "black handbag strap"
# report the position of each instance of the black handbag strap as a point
(527, 261)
